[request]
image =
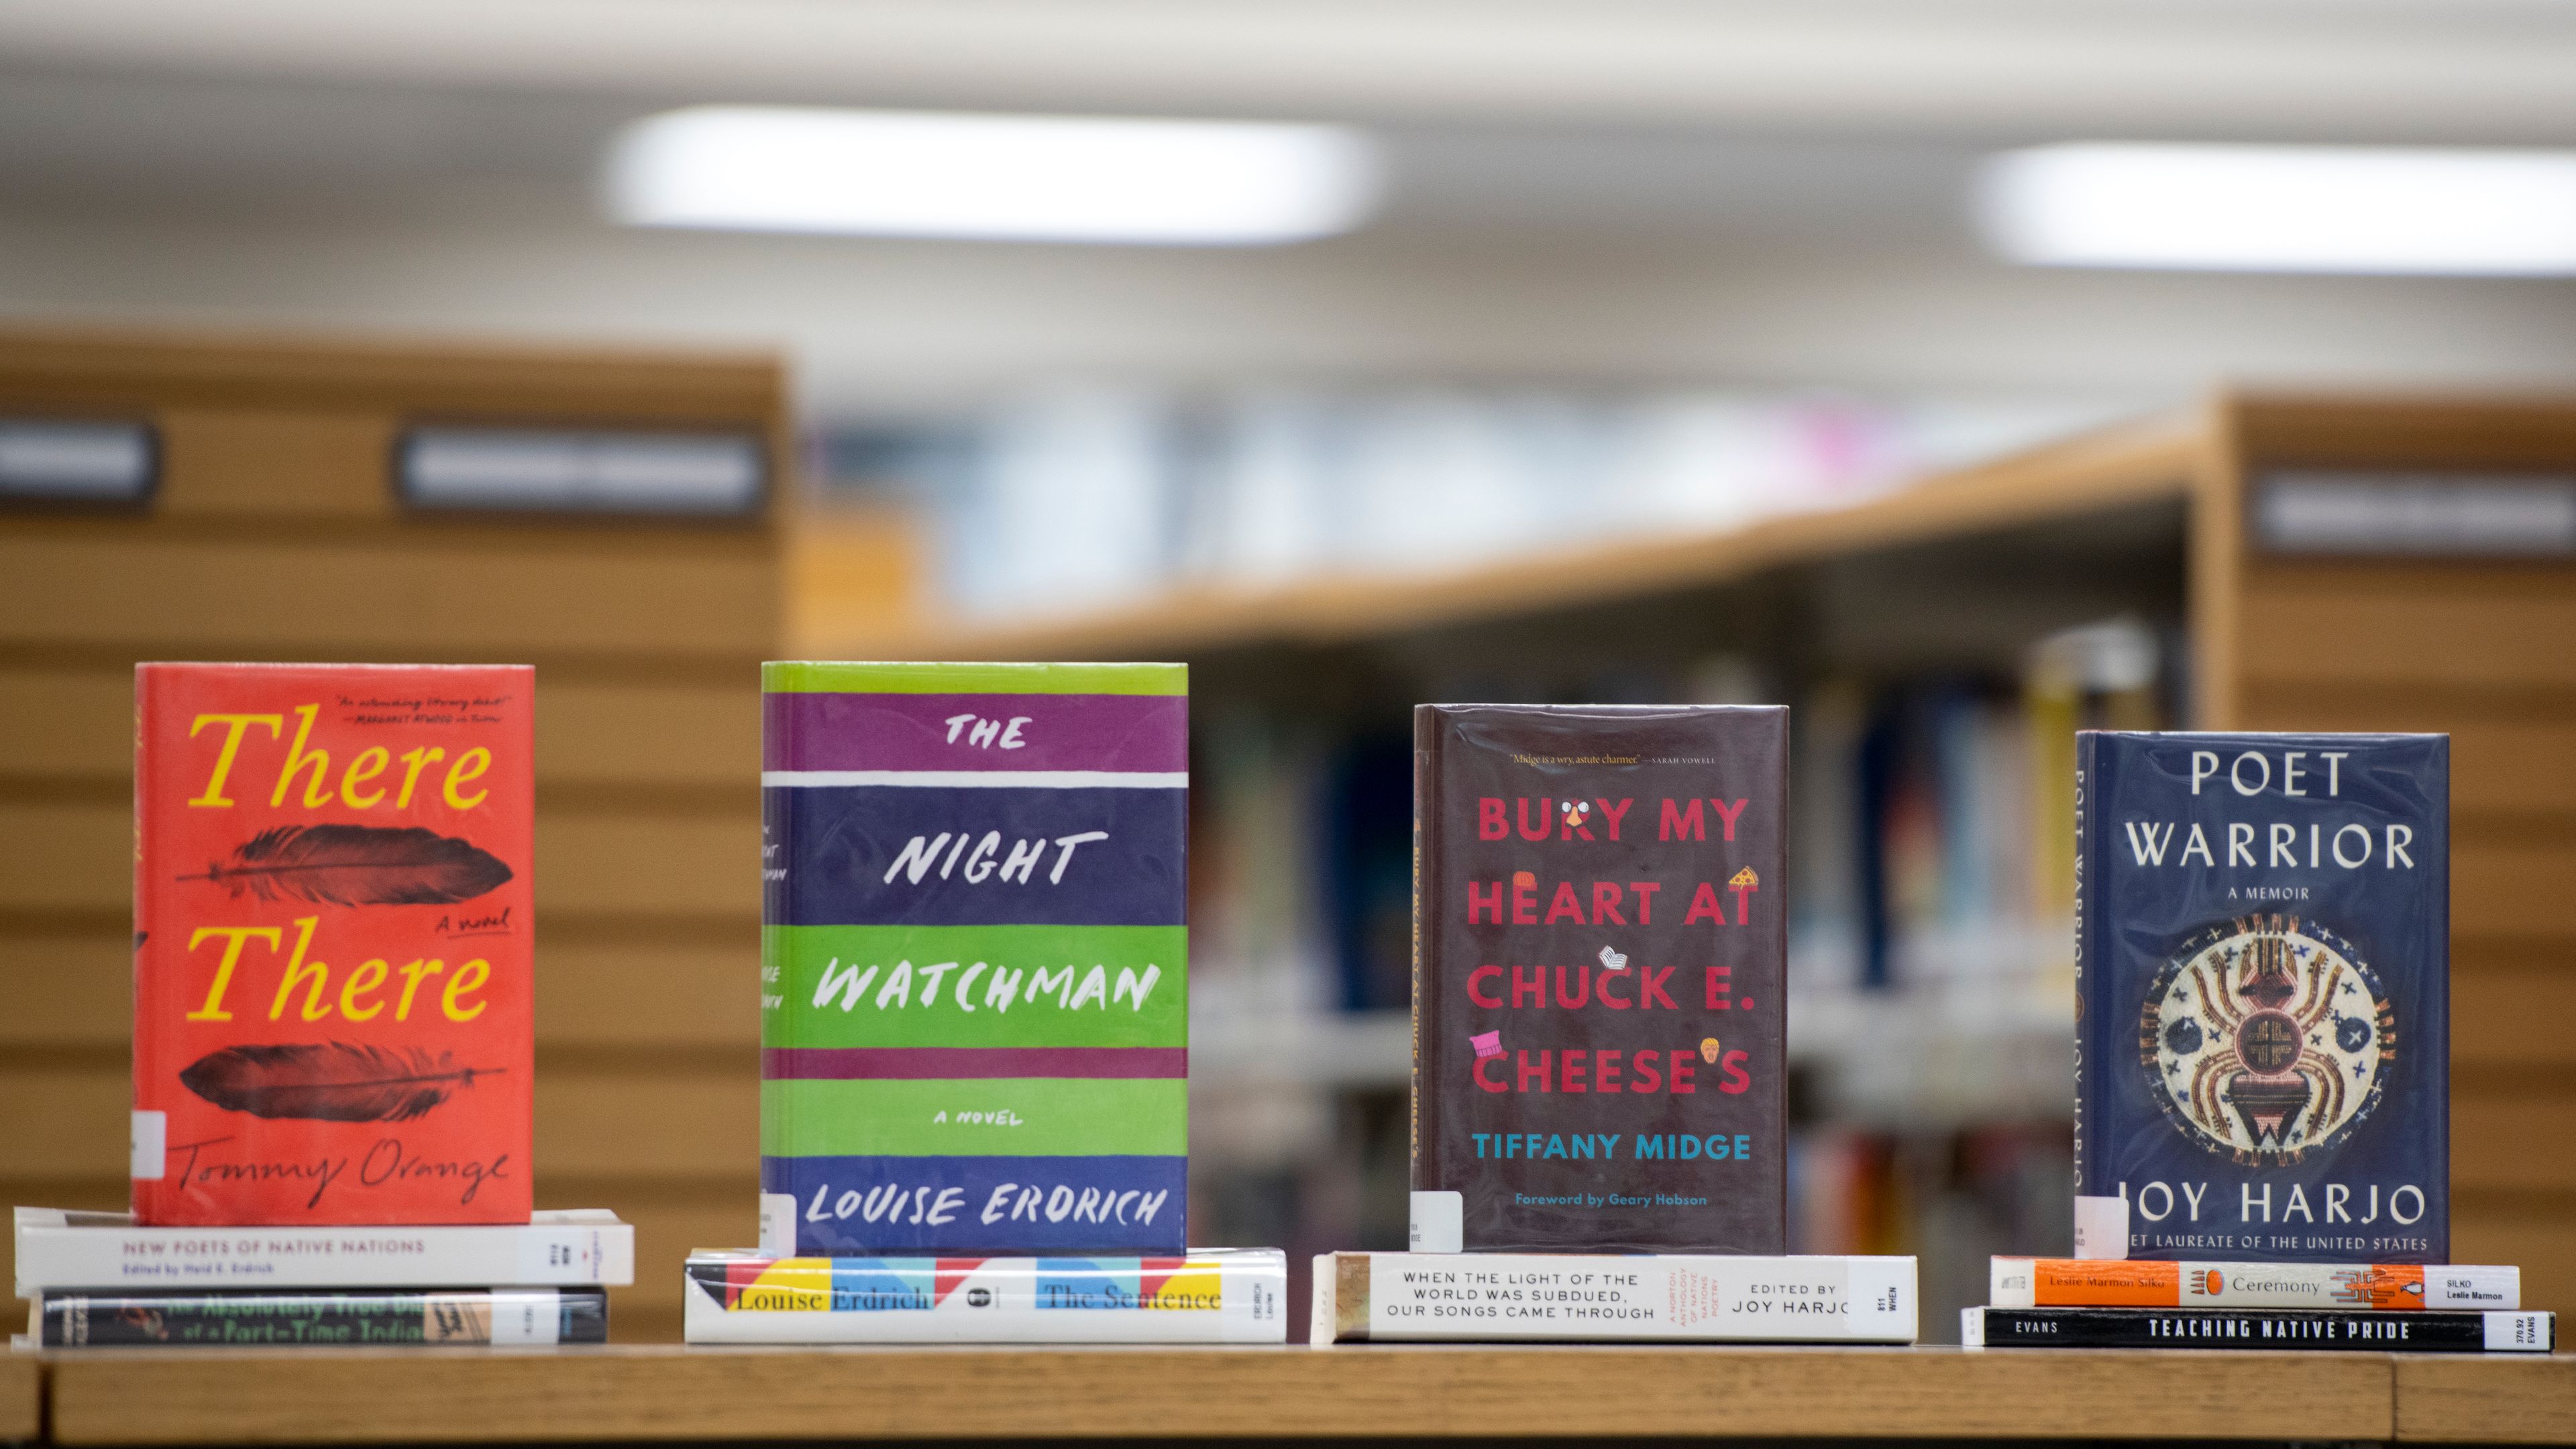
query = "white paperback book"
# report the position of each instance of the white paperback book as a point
(1214, 1295)
(583, 1247)
(1674, 1297)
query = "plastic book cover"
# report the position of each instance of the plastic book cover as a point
(975, 994)
(1210, 1295)
(332, 943)
(2263, 993)
(1599, 943)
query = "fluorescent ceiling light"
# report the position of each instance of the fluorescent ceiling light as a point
(2284, 209)
(1013, 178)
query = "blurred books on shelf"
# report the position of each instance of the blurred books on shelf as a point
(1086, 497)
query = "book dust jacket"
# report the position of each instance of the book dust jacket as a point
(332, 944)
(1599, 937)
(974, 959)
(2263, 993)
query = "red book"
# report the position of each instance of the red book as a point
(332, 943)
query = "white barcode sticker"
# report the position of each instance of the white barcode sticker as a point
(2101, 1227)
(778, 1224)
(526, 1318)
(151, 1146)
(1439, 1222)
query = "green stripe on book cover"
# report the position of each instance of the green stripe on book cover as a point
(807, 676)
(990, 1117)
(944, 986)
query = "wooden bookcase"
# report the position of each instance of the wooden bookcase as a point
(276, 534)
(2483, 648)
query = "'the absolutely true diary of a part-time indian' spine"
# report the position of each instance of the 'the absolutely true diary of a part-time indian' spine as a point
(2263, 1032)
(975, 996)
(332, 944)
(1599, 938)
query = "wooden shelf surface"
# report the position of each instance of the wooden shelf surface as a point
(2506, 1400)
(631, 1393)
(22, 1397)
(2135, 463)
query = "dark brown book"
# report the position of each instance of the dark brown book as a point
(1599, 942)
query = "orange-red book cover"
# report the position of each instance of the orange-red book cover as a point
(332, 943)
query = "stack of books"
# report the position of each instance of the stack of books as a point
(333, 1034)
(1598, 1088)
(2262, 1152)
(2402, 1307)
(98, 1280)
(975, 1018)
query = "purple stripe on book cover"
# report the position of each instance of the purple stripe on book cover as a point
(1128, 732)
(935, 1063)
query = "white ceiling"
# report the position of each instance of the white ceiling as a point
(1601, 192)
(2423, 69)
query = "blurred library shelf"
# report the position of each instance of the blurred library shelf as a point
(2262, 561)
(612, 1394)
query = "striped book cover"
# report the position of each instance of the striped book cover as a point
(974, 965)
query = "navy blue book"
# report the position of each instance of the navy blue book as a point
(2262, 1004)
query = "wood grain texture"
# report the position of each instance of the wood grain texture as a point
(63, 1123)
(22, 1398)
(2515, 891)
(275, 462)
(641, 1393)
(2494, 1136)
(2506, 1399)
(227, 598)
(90, 369)
(2359, 631)
(2514, 1016)
(644, 1120)
(2401, 431)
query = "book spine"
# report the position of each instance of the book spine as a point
(2089, 969)
(189, 1260)
(1228, 1297)
(2145, 1283)
(1426, 915)
(502, 1318)
(2359, 1330)
(1687, 1298)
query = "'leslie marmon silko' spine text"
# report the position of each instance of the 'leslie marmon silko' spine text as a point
(2150, 1283)
(1675, 1297)
(2363, 1331)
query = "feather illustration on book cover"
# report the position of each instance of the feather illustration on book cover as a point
(2263, 986)
(332, 944)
